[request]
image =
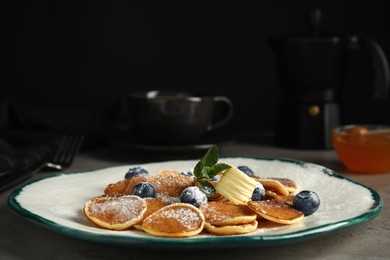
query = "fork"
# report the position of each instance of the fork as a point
(68, 147)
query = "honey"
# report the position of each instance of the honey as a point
(363, 148)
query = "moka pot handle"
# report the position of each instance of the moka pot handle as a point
(379, 64)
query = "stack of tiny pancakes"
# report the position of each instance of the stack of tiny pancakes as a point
(165, 216)
(277, 206)
(227, 218)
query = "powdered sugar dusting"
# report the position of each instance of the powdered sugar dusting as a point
(117, 209)
(185, 217)
(169, 200)
(175, 218)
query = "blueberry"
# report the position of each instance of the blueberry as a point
(135, 171)
(193, 195)
(189, 174)
(245, 169)
(307, 202)
(258, 193)
(144, 190)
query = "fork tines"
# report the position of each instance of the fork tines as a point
(68, 147)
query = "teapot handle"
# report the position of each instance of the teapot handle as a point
(379, 64)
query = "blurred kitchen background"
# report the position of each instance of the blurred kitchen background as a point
(69, 65)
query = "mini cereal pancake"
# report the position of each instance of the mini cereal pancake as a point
(288, 199)
(219, 213)
(116, 189)
(289, 184)
(172, 185)
(231, 229)
(175, 220)
(276, 211)
(217, 197)
(167, 186)
(272, 185)
(125, 186)
(168, 172)
(115, 212)
(153, 204)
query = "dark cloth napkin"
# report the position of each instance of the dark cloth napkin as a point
(31, 134)
(22, 153)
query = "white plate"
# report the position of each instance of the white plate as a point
(56, 203)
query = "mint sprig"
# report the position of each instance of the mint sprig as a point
(207, 168)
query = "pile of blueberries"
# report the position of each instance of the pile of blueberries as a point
(305, 201)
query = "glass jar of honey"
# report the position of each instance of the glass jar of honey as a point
(363, 148)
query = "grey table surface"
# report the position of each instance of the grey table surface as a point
(21, 239)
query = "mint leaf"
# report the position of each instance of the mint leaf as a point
(217, 168)
(207, 168)
(207, 188)
(198, 170)
(205, 172)
(211, 157)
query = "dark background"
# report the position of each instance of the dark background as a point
(70, 64)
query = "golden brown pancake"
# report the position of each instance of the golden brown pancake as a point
(166, 185)
(152, 205)
(276, 211)
(288, 199)
(223, 213)
(231, 229)
(289, 184)
(168, 172)
(113, 212)
(116, 189)
(175, 220)
(272, 185)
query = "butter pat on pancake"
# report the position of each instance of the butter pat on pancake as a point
(236, 186)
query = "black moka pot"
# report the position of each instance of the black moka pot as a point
(311, 71)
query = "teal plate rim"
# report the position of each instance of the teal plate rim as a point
(215, 242)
